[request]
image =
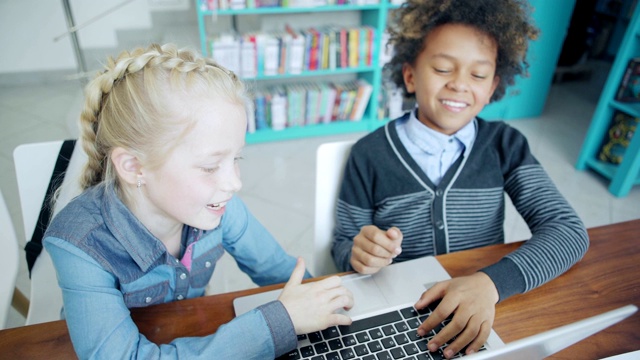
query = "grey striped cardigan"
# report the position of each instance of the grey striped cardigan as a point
(385, 187)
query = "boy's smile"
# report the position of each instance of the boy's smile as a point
(453, 77)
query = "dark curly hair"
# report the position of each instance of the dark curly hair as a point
(506, 21)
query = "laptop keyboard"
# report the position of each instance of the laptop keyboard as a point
(388, 336)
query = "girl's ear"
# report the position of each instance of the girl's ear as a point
(126, 165)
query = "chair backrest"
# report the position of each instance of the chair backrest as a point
(34, 165)
(330, 162)
(10, 261)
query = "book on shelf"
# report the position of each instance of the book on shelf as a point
(629, 89)
(618, 137)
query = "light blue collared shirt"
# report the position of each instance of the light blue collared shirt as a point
(434, 152)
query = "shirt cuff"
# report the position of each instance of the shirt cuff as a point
(281, 327)
(507, 278)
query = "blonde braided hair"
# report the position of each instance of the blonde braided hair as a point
(141, 100)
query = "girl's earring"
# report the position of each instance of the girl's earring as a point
(139, 183)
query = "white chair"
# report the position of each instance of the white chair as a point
(330, 162)
(34, 165)
(10, 264)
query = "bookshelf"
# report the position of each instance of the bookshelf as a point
(525, 99)
(623, 176)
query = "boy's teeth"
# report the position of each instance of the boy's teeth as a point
(453, 103)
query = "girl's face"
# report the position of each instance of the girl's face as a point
(201, 174)
(453, 77)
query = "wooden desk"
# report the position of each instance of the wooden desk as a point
(608, 277)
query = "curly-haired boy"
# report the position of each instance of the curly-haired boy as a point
(433, 180)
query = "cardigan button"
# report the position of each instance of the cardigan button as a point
(439, 192)
(439, 224)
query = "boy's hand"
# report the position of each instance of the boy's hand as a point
(472, 300)
(374, 248)
(312, 306)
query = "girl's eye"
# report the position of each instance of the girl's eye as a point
(237, 159)
(209, 170)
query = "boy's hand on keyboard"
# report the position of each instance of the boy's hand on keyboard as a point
(471, 300)
(374, 248)
(312, 306)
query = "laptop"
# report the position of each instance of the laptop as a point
(384, 321)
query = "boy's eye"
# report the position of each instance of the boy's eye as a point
(478, 76)
(442, 71)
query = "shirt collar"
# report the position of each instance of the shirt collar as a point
(433, 142)
(143, 247)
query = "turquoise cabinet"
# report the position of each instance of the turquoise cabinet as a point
(624, 175)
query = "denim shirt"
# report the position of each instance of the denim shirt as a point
(108, 262)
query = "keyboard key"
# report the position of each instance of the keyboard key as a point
(307, 351)
(333, 356)
(319, 357)
(397, 353)
(361, 350)
(387, 343)
(302, 337)
(422, 345)
(369, 357)
(321, 348)
(410, 349)
(349, 340)
(384, 356)
(364, 324)
(291, 355)
(401, 326)
(388, 330)
(375, 333)
(401, 339)
(314, 337)
(374, 346)
(363, 337)
(413, 323)
(347, 354)
(335, 344)
(409, 312)
(413, 335)
(330, 333)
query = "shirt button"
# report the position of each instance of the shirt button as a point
(180, 297)
(439, 224)
(207, 264)
(439, 192)
(147, 299)
(183, 276)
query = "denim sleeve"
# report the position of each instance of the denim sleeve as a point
(100, 324)
(255, 250)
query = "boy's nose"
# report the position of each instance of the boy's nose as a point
(457, 83)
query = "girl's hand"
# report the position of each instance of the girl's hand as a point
(374, 248)
(312, 306)
(471, 300)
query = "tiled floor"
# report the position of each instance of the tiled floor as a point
(279, 180)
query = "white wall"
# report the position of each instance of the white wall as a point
(28, 29)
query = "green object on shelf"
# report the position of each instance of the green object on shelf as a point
(626, 174)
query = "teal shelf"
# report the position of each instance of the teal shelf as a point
(324, 72)
(288, 10)
(332, 128)
(626, 174)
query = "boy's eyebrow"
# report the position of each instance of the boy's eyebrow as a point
(453, 58)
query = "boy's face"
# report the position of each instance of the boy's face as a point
(453, 77)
